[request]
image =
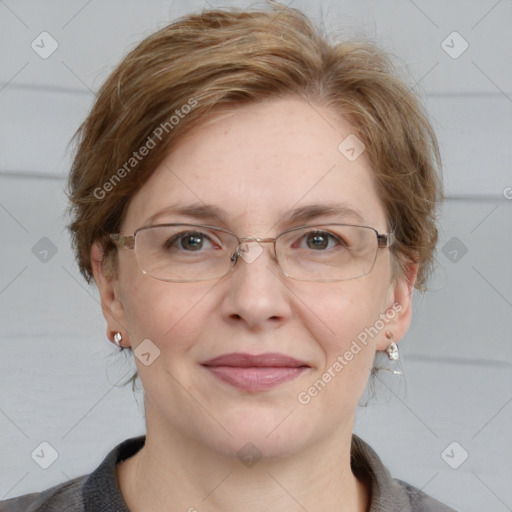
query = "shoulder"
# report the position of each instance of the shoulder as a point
(420, 501)
(98, 491)
(66, 496)
(388, 493)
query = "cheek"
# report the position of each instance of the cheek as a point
(174, 320)
(166, 313)
(341, 321)
(335, 320)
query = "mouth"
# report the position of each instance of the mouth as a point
(267, 360)
(255, 372)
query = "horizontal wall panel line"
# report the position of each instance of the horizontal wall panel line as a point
(83, 92)
(23, 175)
(47, 88)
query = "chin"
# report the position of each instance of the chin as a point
(270, 434)
(255, 448)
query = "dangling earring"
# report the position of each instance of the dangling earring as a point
(117, 339)
(393, 354)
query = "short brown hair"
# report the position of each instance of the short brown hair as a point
(226, 58)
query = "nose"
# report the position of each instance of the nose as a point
(255, 293)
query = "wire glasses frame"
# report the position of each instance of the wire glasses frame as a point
(384, 240)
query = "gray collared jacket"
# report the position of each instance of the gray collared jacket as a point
(99, 490)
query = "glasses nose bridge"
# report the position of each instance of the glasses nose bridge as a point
(254, 239)
(245, 239)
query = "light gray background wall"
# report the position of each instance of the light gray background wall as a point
(57, 370)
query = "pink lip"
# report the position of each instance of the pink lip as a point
(255, 372)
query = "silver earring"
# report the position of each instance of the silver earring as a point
(393, 354)
(117, 339)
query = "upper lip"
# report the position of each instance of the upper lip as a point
(269, 359)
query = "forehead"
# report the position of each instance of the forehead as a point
(258, 163)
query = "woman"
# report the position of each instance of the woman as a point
(256, 206)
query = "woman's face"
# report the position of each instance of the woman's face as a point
(256, 165)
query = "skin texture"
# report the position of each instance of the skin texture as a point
(257, 163)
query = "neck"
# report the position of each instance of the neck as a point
(175, 473)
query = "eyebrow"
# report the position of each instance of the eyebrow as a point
(208, 212)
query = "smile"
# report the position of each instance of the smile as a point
(255, 372)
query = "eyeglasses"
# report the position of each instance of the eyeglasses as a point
(188, 252)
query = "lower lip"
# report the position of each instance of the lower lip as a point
(255, 378)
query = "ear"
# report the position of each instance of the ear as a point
(398, 307)
(108, 287)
